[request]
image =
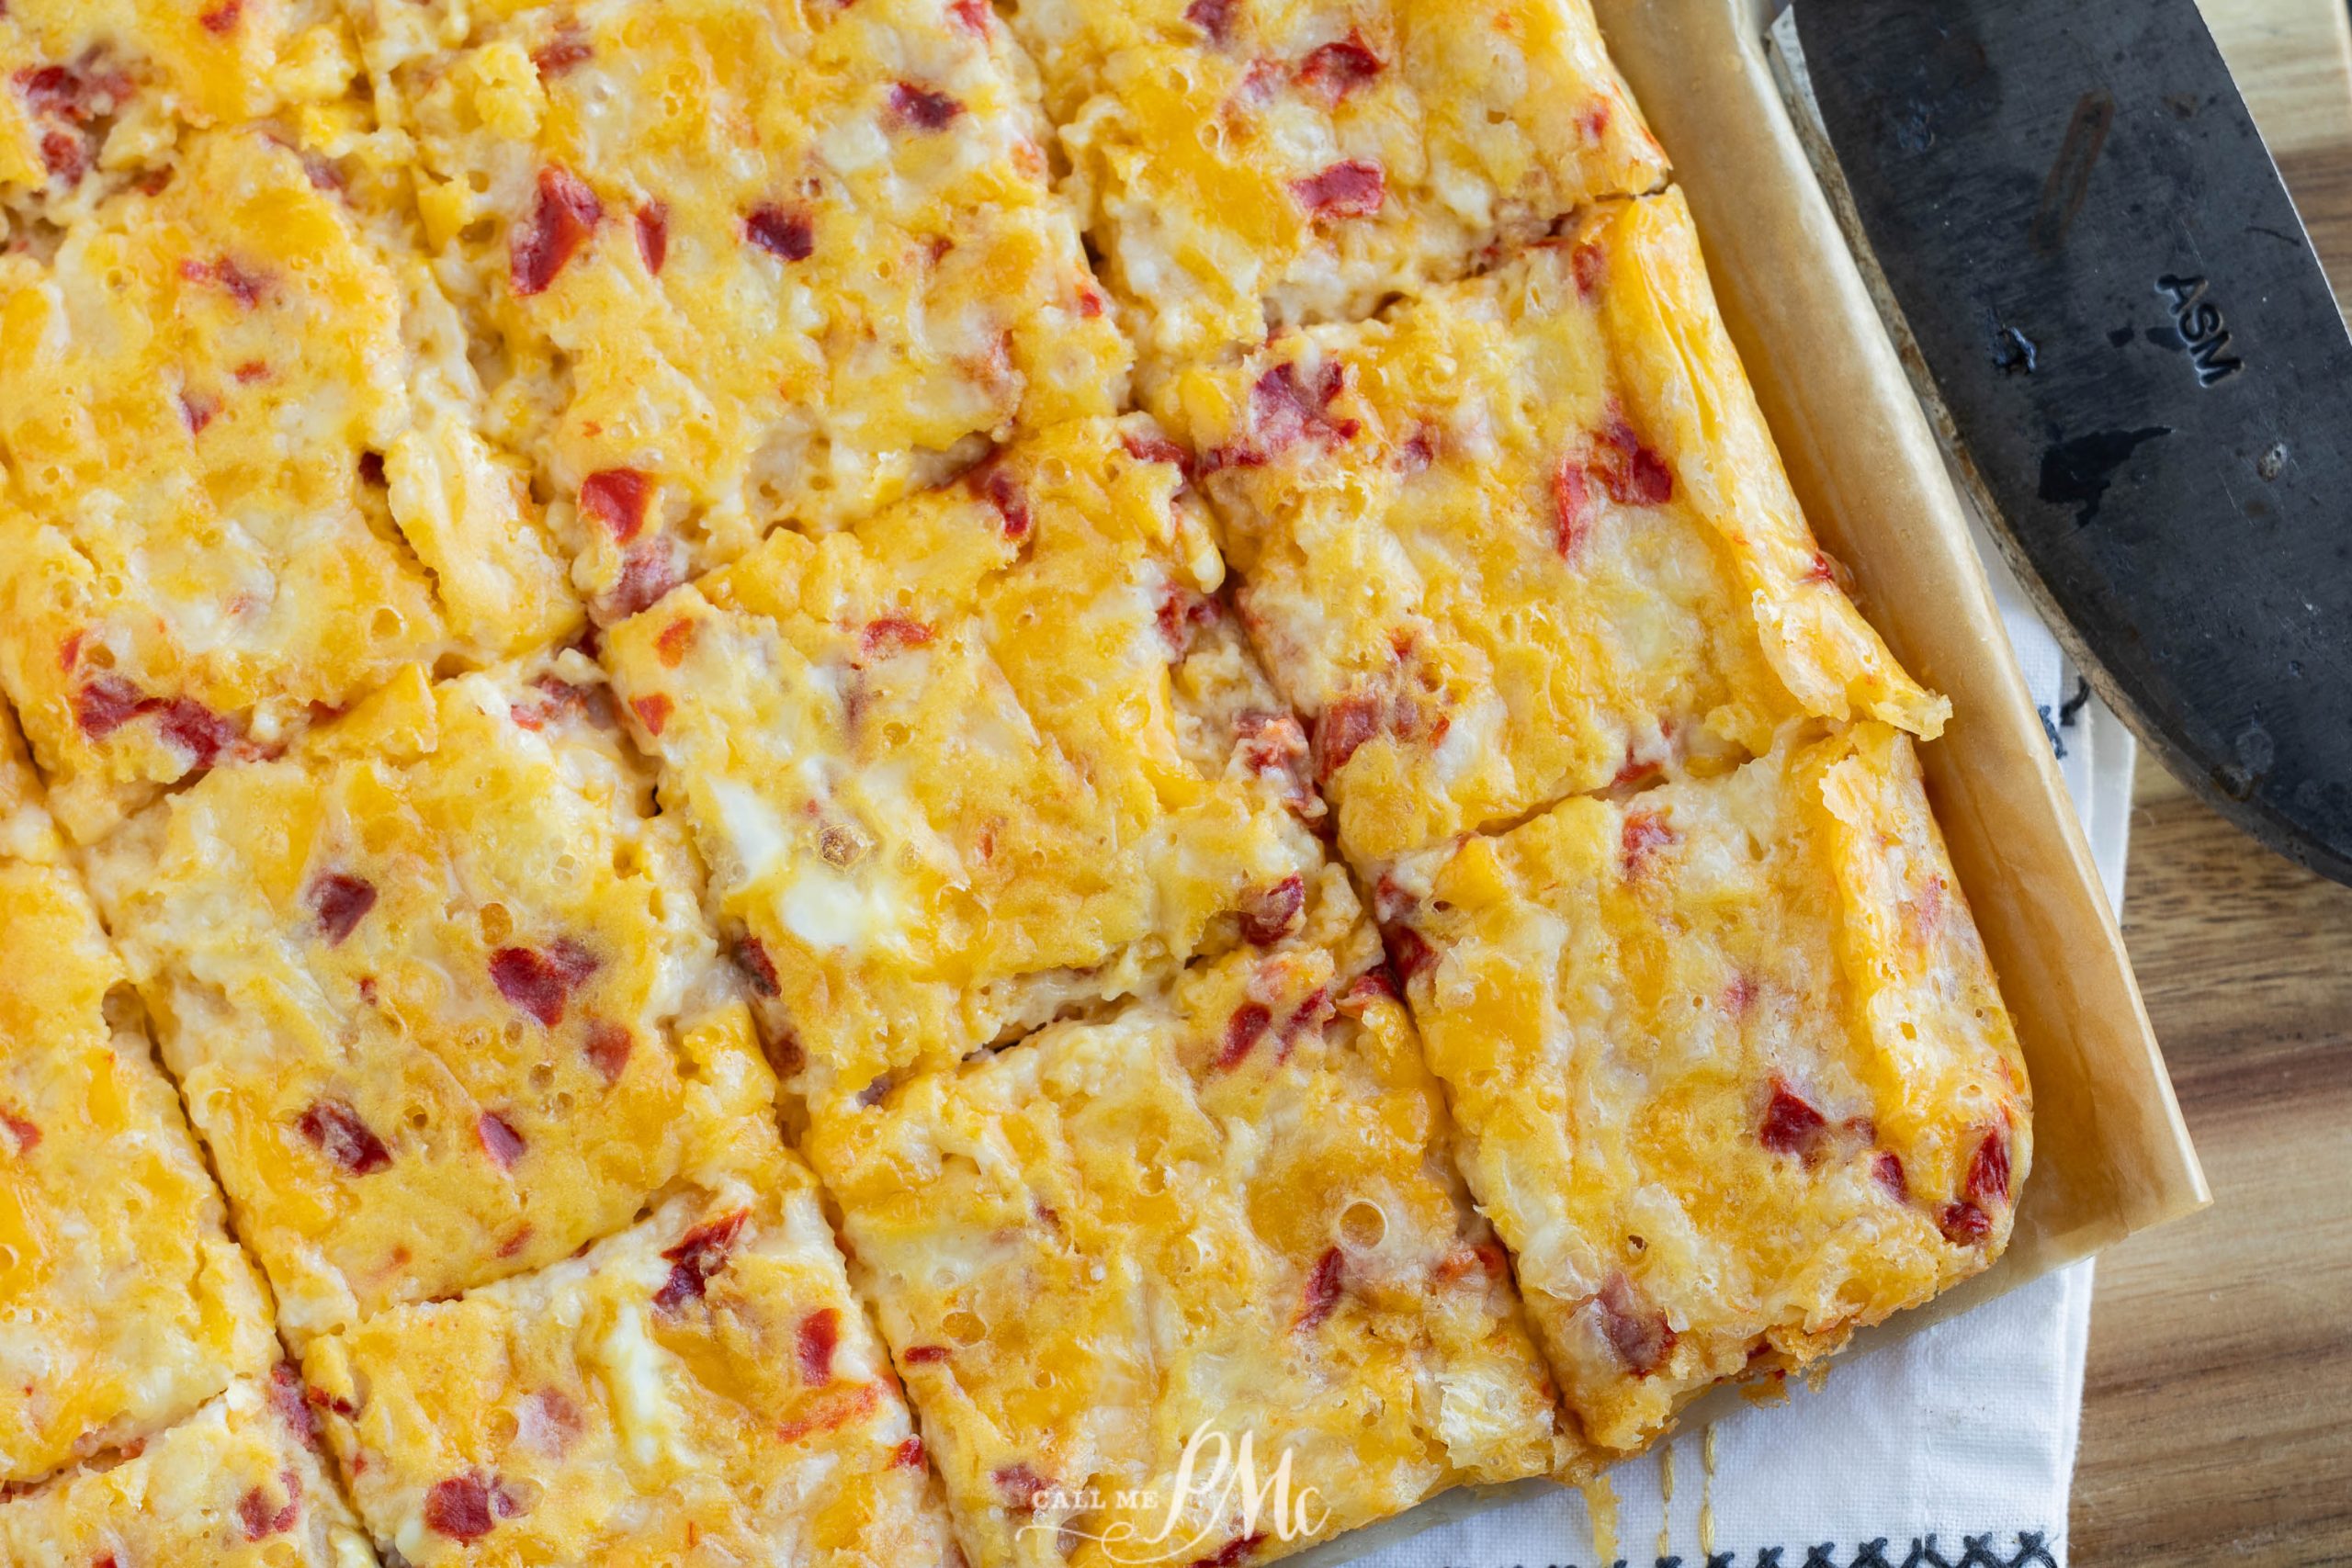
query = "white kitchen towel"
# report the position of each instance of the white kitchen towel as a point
(1950, 1448)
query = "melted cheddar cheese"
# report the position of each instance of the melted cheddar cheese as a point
(995, 751)
(744, 263)
(236, 1485)
(128, 1305)
(701, 1389)
(436, 987)
(25, 831)
(1527, 538)
(1228, 1210)
(1732, 1075)
(100, 87)
(246, 479)
(1248, 164)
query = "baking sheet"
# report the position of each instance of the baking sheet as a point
(2111, 1155)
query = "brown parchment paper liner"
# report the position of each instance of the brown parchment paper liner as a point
(2111, 1155)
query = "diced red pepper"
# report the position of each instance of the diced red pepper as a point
(820, 1335)
(340, 901)
(653, 235)
(617, 498)
(1214, 18)
(539, 982)
(1243, 1029)
(926, 109)
(652, 712)
(565, 217)
(499, 1141)
(1338, 69)
(1322, 1290)
(1791, 1126)
(260, 1516)
(339, 1133)
(1644, 835)
(608, 1048)
(1270, 914)
(1637, 1331)
(1354, 187)
(1887, 1169)
(699, 1254)
(781, 231)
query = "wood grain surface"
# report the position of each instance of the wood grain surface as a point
(2217, 1412)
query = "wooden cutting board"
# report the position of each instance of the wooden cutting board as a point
(2217, 1412)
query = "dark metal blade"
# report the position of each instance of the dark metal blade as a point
(2124, 317)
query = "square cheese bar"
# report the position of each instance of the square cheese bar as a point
(701, 1389)
(1248, 164)
(243, 481)
(744, 262)
(995, 753)
(238, 1484)
(437, 989)
(1732, 1075)
(128, 1304)
(1197, 1281)
(105, 88)
(1525, 538)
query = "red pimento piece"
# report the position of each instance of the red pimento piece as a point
(924, 1355)
(895, 632)
(539, 982)
(292, 1403)
(1338, 69)
(1635, 1330)
(27, 1135)
(1963, 1223)
(672, 645)
(1214, 18)
(260, 1518)
(781, 231)
(1180, 611)
(1156, 449)
(340, 901)
(107, 703)
(1408, 951)
(1346, 725)
(907, 1455)
(973, 14)
(1594, 121)
(1586, 263)
(339, 1133)
(1020, 1485)
(751, 957)
(652, 712)
(819, 1337)
(567, 213)
(1243, 1029)
(1322, 1290)
(1887, 1169)
(499, 1141)
(617, 498)
(1572, 511)
(1644, 835)
(653, 235)
(1230, 1553)
(1987, 1181)
(1377, 984)
(1351, 188)
(1282, 408)
(1822, 570)
(567, 48)
(648, 572)
(196, 730)
(197, 412)
(1630, 471)
(465, 1507)
(607, 1049)
(1270, 914)
(1790, 1125)
(926, 109)
(221, 19)
(699, 1254)
(993, 484)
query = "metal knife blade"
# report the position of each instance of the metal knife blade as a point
(2123, 317)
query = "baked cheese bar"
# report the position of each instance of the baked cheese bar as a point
(236, 1485)
(248, 483)
(995, 753)
(106, 88)
(1732, 1075)
(1526, 537)
(744, 263)
(1243, 164)
(436, 987)
(1195, 1281)
(701, 1389)
(128, 1305)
